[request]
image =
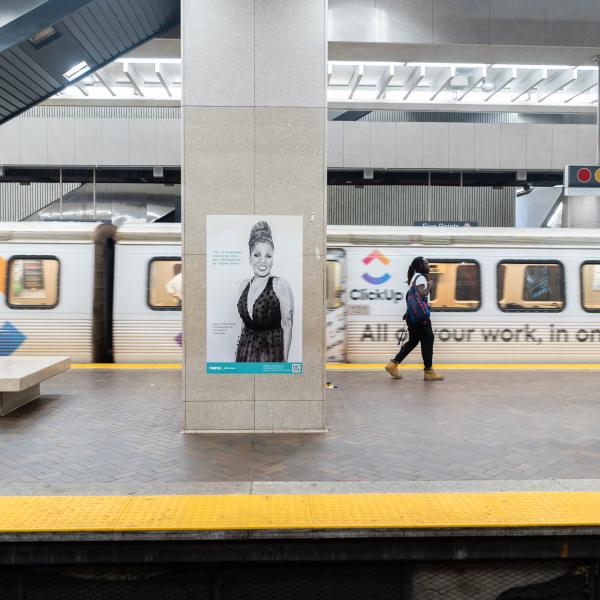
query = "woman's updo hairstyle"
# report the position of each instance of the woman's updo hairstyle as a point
(260, 232)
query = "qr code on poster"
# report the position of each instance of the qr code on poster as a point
(296, 368)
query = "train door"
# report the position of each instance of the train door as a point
(335, 300)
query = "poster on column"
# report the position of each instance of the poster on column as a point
(254, 294)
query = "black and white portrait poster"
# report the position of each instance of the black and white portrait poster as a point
(254, 294)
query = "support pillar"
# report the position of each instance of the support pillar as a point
(254, 143)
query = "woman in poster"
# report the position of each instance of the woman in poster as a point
(265, 305)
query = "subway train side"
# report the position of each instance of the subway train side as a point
(56, 290)
(499, 296)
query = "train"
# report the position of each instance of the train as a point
(101, 294)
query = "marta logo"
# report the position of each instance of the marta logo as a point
(376, 255)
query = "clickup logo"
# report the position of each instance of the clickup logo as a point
(376, 255)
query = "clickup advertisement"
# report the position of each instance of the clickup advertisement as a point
(254, 294)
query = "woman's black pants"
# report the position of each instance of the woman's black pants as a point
(418, 333)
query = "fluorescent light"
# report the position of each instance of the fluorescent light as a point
(43, 37)
(77, 71)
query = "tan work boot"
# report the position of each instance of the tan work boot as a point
(431, 375)
(392, 369)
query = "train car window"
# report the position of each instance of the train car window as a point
(164, 283)
(456, 285)
(33, 282)
(531, 286)
(590, 286)
(334, 284)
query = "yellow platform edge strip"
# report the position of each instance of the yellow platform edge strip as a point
(367, 366)
(302, 511)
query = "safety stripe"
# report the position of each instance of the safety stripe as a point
(299, 511)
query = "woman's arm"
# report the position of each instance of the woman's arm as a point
(286, 304)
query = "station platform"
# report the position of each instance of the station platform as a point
(112, 431)
(497, 470)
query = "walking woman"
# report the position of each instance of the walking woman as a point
(417, 321)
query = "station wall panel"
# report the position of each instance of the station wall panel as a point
(80, 140)
(142, 142)
(88, 141)
(168, 142)
(357, 141)
(539, 146)
(335, 144)
(115, 142)
(586, 144)
(513, 146)
(383, 145)
(34, 142)
(400, 21)
(572, 23)
(409, 145)
(353, 20)
(564, 145)
(61, 141)
(435, 145)
(510, 146)
(129, 141)
(487, 145)
(461, 21)
(518, 22)
(10, 143)
(461, 145)
(497, 23)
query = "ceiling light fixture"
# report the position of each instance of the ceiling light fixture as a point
(77, 71)
(43, 37)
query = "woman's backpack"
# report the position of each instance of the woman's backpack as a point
(417, 307)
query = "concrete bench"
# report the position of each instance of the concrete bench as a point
(20, 378)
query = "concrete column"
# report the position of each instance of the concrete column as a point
(254, 143)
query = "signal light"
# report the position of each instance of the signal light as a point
(584, 175)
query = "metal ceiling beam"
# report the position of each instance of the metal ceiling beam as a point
(82, 89)
(413, 80)
(387, 75)
(440, 83)
(355, 81)
(586, 81)
(557, 83)
(103, 79)
(505, 77)
(473, 80)
(527, 83)
(134, 77)
(163, 76)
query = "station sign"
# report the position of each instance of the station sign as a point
(582, 180)
(445, 223)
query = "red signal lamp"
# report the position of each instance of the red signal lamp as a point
(584, 175)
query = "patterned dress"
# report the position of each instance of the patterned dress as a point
(262, 336)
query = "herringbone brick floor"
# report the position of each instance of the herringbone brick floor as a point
(110, 427)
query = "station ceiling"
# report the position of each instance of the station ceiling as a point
(47, 45)
(104, 38)
(154, 73)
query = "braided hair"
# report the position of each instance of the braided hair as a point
(418, 265)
